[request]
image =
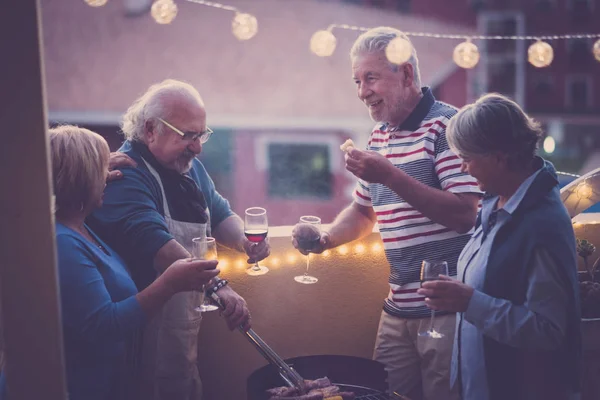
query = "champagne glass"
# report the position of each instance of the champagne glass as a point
(256, 227)
(205, 248)
(309, 236)
(431, 271)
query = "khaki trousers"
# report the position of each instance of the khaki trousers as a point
(417, 366)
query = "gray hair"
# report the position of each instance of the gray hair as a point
(377, 39)
(494, 123)
(152, 105)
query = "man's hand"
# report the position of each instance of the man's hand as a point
(446, 294)
(236, 311)
(118, 160)
(369, 166)
(257, 251)
(324, 242)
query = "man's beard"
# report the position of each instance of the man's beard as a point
(184, 162)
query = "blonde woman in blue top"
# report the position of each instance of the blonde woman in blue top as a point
(101, 307)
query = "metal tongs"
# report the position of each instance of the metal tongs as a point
(289, 375)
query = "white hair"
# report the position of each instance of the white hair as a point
(152, 105)
(377, 39)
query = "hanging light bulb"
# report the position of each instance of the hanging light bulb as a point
(244, 26)
(398, 50)
(549, 144)
(596, 50)
(96, 3)
(164, 11)
(584, 191)
(540, 54)
(466, 54)
(323, 43)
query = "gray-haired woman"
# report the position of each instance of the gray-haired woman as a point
(518, 331)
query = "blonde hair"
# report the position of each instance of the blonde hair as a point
(152, 105)
(79, 160)
(377, 39)
(494, 123)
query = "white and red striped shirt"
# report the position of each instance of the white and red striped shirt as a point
(419, 148)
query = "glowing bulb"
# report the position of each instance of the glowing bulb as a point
(326, 253)
(584, 191)
(466, 55)
(323, 43)
(275, 261)
(343, 250)
(291, 258)
(360, 248)
(223, 263)
(540, 54)
(398, 50)
(244, 26)
(240, 263)
(96, 3)
(164, 11)
(549, 144)
(596, 50)
(377, 247)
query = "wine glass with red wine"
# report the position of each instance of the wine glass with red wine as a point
(308, 237)
(431, 271)
(256, 227)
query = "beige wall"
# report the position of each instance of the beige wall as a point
(337, 315)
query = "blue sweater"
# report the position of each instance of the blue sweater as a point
(131, 219)
(99, 313)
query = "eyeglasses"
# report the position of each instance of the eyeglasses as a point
(191, 136)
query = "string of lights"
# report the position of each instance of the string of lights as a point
(323, 42)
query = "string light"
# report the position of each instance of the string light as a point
(96, 3)
(326, 253)
(584, 191)
(377, 247)
(240, 263)
(466, 54)
(291, 258)
(360, 248)
(323, 43)
(549, 144)
(275, 261)
(540, 54)
(398, 50)
(244, 26)
(343, 250)
(164, 11)
(596, 50)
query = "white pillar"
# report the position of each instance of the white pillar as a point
(28, 279)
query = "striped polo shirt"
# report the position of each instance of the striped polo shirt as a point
(419, 148)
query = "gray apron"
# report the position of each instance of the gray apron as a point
(169, 359)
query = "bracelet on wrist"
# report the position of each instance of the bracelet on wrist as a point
(216, 286)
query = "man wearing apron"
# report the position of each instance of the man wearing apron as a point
(150, 217)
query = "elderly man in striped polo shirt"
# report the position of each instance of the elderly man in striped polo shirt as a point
(412, 186)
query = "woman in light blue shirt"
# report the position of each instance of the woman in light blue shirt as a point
(517, 294)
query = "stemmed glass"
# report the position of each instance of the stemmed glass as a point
(431, 271)
(309, 236)
(205, 248)
(256, 227)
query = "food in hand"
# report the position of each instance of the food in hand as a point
(319, 389)
(345, 147)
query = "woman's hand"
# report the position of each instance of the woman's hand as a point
(189, 274)
(446, 294)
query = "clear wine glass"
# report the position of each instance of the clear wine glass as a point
(308, 237)
(205, 248)
(431, 271)
(256, 227)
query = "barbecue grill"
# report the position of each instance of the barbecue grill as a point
(366, 378)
